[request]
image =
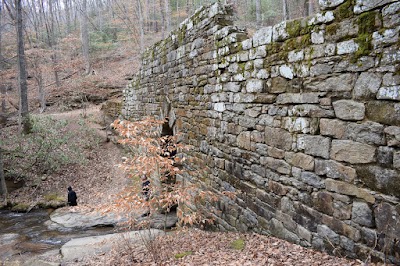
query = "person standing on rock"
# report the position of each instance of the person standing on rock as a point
(72, 197)
(145, 187)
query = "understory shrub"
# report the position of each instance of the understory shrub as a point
(51, 145)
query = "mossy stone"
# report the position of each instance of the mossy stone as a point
(345, 10)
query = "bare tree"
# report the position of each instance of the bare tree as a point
(258, 12)
(162, 19)
(85, 37)
(168, 15)
(141, 24)
(286, 15)
(25, 123)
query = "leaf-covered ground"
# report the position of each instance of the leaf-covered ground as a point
(196, 247)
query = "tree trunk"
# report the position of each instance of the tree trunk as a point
(258, 13)
(286, 15)
(85, 38)
(24, 122)
(1, 27)
(67, 16)
(141, 25)
(162, 19)
(3, 186)
(168, 15)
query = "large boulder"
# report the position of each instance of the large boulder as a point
(82, 218)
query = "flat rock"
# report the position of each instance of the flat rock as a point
(89, 246)
(76, 218)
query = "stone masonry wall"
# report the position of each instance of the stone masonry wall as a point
(302, 120)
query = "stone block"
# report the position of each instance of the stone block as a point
(317, 37)
(320, 18)
(387, 219)
(277, 165)
(335, 170)
(367, 85)
(310, 110)
(231, 87)
(326, 233)
(352, 152)
(343, 82)
(362, 214)
(276, 153)
(389, 93)
(368, 132)
(323, 202)
(342, 210)
(262, 36)
(391, 16)
(277, 188)
(314, 145)
(347, 47)
(295, 56)
(349, 189)
(279, 85)
(396, 160)
(349, 110)
(301, 160)
(312, 179)
(264, 98)
(286, 98)
(380, 179)
(385, 156)
(278, 138)
(255, 85)
(326, 4)
(286, 71)
(384, 112)
(296, 124)
(244, 140)
(332, 127)
(279, 32)
(362, 6)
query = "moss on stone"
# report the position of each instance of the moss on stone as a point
(293, 28)
(366, 22)
(332, 29)
(345, 10)
(364, 47)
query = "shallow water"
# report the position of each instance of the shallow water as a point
(34, 236)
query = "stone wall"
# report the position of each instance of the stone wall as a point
(302, 120)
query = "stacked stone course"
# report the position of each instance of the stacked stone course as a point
(302, 120)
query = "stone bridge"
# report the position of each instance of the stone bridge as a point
(302, 119)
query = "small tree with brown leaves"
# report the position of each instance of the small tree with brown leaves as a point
(153, 155)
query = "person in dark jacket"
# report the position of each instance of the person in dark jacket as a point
(145, 187)
(72, 197)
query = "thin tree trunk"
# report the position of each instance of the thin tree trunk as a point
(25, 124)
(3, 186)
(258, 13)
(286, 15)
(85, 38)
(168, 15)
(52, 43)
(141, 25)
(162, 19)
(67, 16)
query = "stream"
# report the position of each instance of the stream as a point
(27, 234)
